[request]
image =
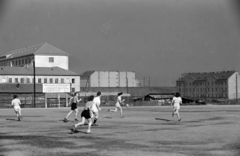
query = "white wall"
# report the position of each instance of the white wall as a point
(67, 79)
(232, 86)
(112, 79)
(59, 61)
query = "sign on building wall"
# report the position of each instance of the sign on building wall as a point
(56, 88)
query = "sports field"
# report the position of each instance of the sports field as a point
(145, 131)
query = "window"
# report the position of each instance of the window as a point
(51, 59)
(73, 89)
(62, 80)
(39, 80)
(73, 80)
(45, 80)
(56, 80)
(10, 80)
(22, 80)
(50, 80)
(28, 80)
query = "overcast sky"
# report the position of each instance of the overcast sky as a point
(160, 39)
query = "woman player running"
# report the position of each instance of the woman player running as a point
(118, 104)
(73, 102)
(176, 102)
(86, 114)
(16, 105)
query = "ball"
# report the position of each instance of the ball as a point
(127, 105)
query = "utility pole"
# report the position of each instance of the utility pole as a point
(236, 88)
(34, 83)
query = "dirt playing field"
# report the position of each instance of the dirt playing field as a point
(145, 131)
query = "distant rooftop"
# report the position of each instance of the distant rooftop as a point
(40, 49)
(201, 76)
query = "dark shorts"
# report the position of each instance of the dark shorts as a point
(74, 106)
(86, 114)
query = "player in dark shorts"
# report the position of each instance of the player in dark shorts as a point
(73, 102)
(86, 114)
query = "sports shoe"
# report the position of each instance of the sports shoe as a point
(76, 119)
(179, 119)
(18, 118)
(65, 119)
(88, 131)
(94, 124)
(74, 128)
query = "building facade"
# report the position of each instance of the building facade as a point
(210, 85)
(43, 75)
(44, 55)
(108, 79)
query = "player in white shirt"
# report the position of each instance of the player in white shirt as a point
(176, 102)
(96, 107)
(16, 106)
(118, 104)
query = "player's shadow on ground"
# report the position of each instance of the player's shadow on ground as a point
(163, 119)
(77, 131)
(66, 121)
(108, 117)
(12, 119)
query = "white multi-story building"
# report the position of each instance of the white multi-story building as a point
(44, 55)
(108, 79)
(51, 66)
(43, 75)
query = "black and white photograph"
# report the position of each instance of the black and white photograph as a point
(120, 77)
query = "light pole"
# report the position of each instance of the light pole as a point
(34, 83)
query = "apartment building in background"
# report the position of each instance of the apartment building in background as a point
(209, 85)
(108, 79)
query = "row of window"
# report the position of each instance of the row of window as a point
(208, 95)
(203, 89)
(40, 80)
(203, 83)
(23, 61)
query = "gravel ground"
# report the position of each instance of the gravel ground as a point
(208, 130)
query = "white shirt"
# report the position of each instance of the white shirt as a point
(176, 102)
(96, 102)
(16, 102)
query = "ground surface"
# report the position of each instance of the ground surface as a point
(145, 131)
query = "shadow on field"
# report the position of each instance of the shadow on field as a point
(92, 143)
(64, 121)
(163, 119)
(77, 131)
(12, 119)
